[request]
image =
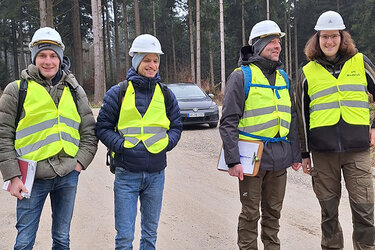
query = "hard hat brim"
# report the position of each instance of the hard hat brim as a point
(131, 53)
(319, 28)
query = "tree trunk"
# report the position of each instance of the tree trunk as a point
(211, 59)
(295, 47)
(22, 53)
(15, 52)
(117, 46)
(99, 77)
(290, 47)
(126, 34)
(222, 47)
(286, 38)
(175, 76)
(109, 45)
(49, 13)
(166, 68)
(136, 16)
(154, 17)
(77, 43)
(43, 13)
(198, 20)
(105, 44)
(191, 31)
(243, 22)
(6, 63)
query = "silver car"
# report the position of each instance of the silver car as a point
(195, 105)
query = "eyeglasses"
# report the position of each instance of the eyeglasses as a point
(333, 37)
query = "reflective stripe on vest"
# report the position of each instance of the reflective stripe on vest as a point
(151, 129)
(333, 98)
(265, 114)
(46, 130)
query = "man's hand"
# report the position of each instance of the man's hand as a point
(78, 167)
(237, 171)
(296, 165)
(16, 187)
(372, 137)
(306, 165)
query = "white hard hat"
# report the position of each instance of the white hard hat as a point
(146, 43)
(330, 20)
(46, 35)
(265, 28)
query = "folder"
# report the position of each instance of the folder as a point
(28, 169)
(250, 157)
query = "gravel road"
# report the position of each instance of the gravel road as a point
(200, 206)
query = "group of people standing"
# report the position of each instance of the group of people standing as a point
(139, 121)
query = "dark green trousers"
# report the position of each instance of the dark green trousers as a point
(326, 177)
(267, 189)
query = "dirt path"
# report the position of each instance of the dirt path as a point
(200, 206)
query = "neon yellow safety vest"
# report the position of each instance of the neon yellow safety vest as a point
(332, 98)
(151, 129)
(46, 130)
(264, 114)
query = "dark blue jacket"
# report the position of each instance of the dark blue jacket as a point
(136, 159)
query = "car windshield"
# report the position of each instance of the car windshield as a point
(183, 91)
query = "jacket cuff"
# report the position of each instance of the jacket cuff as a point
(305, 155)
(84, 160)
(12, 170)
(231, 165)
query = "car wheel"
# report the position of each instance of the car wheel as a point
(213, 125)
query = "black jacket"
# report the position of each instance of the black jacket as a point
(276, 156)
(341, 137)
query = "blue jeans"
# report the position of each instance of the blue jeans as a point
(62, 191)
(128, 186)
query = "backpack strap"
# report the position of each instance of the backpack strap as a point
(164, 89)
(246, 79)
(123, 86)
(73, 91)
(21, 99)
(166, 94)
(286, 78)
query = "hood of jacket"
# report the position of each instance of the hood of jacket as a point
(335, 64)
(141, 81)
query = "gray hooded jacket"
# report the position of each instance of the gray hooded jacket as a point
(276, 156)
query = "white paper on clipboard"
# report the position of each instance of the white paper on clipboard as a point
(248, 153)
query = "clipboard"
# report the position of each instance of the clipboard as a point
(250, 157)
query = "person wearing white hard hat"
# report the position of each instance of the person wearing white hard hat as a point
(335, 128)
(45, 118)
(139, 122)
(259, 105)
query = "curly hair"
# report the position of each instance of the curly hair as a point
(313, 51)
